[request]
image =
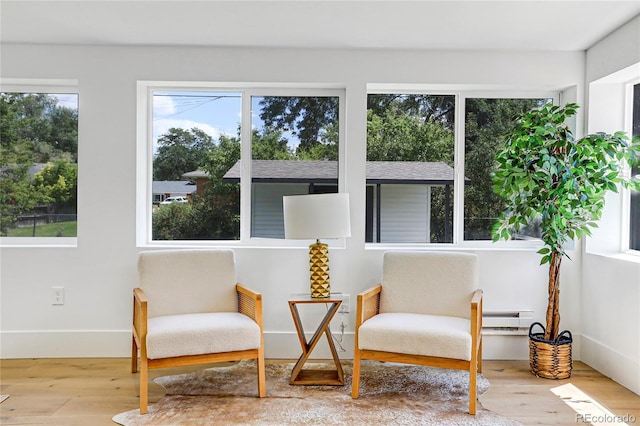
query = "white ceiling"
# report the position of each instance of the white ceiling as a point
(425, 24)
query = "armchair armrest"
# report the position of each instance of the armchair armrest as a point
(368, 304)
(476, 314)
(249, 303)
(139, 316)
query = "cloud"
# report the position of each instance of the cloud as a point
(163, 106)
(161, 127)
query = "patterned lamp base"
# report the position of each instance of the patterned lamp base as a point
(319, 269)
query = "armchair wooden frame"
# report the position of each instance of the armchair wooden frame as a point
(368, 305)
(249, 303)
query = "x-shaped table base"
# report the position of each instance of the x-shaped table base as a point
(310, 376)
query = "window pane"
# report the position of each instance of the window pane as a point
(196, 140)
(634, 232)
(294, 149)
(410, 176)
(487, 124)
(38, 165)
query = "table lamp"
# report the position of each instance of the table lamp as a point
(317, 216)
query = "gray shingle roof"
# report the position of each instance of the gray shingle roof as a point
(173, 187)
(327, 171)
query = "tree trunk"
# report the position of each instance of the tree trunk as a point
(553, 307)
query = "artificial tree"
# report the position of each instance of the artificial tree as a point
(543, 174)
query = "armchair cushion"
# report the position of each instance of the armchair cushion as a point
(417, 334)
(196, 334)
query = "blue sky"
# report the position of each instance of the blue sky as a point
(67, 100)
(215, 113)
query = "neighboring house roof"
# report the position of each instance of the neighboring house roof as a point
(434, 173)
(196, 174)
(173, 187)
(33, 169)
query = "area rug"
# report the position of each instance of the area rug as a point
(390, 394)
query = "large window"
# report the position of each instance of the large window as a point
(488, 121)
(410, 168)
(38, 164)
(294, 151)
(196, 140)
(210, 148)
(220, 159)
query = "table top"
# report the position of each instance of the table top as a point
(306, 298)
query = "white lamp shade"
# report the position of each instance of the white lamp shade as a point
(316, 216)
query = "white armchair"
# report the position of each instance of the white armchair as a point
(189, 310)
(427, 311)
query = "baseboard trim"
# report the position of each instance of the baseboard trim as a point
(65, 344)
(117, 344)
(615, 365)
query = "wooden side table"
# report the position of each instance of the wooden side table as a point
(310, 376)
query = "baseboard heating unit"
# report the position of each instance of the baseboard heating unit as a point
(506, 322)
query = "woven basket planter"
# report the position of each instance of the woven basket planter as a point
(550, 359)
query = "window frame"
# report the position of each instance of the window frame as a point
(625, 238)
(55, 87)
(461, 94)
(144, 153)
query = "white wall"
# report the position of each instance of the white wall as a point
(610, 281)
(100, 272)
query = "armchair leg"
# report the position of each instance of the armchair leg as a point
(480, 356)
(144, 386)
(473, 386)
(355, 376)
(262, 381)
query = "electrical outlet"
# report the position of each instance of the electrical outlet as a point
(58, 296)
(344, 307)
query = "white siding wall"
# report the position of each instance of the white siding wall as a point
(405, 213)
(266, 207)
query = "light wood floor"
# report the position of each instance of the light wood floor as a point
(91, 391)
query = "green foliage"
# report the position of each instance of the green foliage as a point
(57, 182)
(270, 145)
(17, 195)
(58, 229)
(488, 122)
(304, 116)
(543, 173)
(399, 136)
(430, 108)
(180, 151)
(34, 129)
(171, 222)
(214, 215)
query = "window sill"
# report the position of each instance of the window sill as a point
(630, 256)
(31, 242)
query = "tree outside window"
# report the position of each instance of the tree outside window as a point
(38, 165)
(487, 122)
